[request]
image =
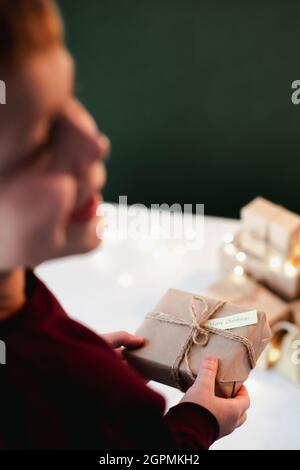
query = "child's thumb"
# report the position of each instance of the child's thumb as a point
(207, 374)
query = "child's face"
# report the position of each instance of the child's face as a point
(51, 165)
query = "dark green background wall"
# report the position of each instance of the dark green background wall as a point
(195, 96)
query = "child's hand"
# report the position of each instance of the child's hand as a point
(120, 339)
(229, 412)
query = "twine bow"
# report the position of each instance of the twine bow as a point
(199, 334)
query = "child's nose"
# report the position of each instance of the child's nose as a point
(104, 146)
(86, 143)
(92, 152)
(81, 146)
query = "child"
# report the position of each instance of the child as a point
(63, 386)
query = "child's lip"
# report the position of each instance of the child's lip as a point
(87, 211)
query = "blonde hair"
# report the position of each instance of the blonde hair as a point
(27, 27)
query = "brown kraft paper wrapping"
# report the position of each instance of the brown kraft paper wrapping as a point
(281, 283)
(173, 352)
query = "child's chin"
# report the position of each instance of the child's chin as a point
(83, 239)
(87, 244)
(81, 247)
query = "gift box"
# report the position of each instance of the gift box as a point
(248, 293)
(254, 246)
(278, 273)
(257, 216)
(260, 249)
(271, 223)
(284, 231)
(184, 327)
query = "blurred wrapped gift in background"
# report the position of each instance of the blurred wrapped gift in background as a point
(262, 267)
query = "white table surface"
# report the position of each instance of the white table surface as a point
(113, 288)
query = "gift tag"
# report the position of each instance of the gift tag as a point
(233, 321)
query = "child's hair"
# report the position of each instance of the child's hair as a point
(27, 27)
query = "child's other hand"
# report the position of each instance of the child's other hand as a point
(120, 339)
(229, 412)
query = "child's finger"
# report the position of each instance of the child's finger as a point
(242, 420)
(242, 400)
(243, 394)
(206, 377)
(123, 338)
(130, 341)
